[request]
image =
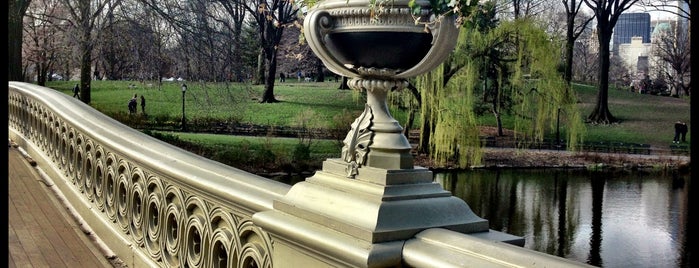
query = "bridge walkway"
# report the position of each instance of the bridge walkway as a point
(42, 232)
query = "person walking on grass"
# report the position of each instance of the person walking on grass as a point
(76, 91)
(143, 104)
(132, 104)
(678, 131)
(683, 131)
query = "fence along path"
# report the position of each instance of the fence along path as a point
(41, 230)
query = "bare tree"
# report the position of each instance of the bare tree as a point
(131, 44)
(517, 9)
(672, 50)
(678, 8)
(607, 13)
(43, 39)
(295, 54)
(209, 36)
(272, 16)
(573, 31)
(115, 47)
(619, 73)
(585, 59)
(236, 12)
(86, 15)
(16, 11)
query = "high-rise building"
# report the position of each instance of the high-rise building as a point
(630, 25)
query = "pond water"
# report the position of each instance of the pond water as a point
(603, 219)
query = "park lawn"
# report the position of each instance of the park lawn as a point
(319, 148)
(644, 118)
(315, 104)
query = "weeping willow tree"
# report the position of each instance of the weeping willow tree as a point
(511, 67)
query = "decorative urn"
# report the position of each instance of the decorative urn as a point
(378, 45)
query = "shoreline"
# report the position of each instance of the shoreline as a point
(512, 158)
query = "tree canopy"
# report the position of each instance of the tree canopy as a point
(511, 68)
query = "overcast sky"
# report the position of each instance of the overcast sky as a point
(654, 15)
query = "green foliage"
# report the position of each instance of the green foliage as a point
(341, 125)
(301, 153)
(254, 153)
(519, 77)
(245, 155)
(166, 137)
(537, 88)
(305, 121)
(459, 8)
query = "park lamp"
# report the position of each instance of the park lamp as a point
(184, 122)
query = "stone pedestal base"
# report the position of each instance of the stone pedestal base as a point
(366, 219)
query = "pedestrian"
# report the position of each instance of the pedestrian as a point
(143, 104)
(132, 104)
(678, 131)
(76, 91)
(683, 131)
(282, 77)
(298, 75)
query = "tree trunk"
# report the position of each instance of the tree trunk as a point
(570, 43)
(600, 114)
(498, 119)
(16, 11)
(260, 77)
(343, 84)
(271, 64)
(85, 52)
(409, 124)
(320, 77)
(496, 106)
(424, 144)
(85, 73)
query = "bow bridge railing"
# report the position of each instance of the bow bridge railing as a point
(156, 205)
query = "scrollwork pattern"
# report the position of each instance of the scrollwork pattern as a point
(172, 224)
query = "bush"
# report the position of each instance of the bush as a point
(301, 152)
(341, 124)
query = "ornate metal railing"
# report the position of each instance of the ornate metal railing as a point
(156, 205)
(153, 203)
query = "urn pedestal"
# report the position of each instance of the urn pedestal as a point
(361, 208)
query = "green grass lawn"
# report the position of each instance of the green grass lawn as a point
(319, 148)
(644, 118)
(322, 102)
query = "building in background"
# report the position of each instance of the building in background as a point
(631, 25)
(635, 56)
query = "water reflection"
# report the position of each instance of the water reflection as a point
(603, 219)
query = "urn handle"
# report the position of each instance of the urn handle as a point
(444, 36)
(317, 24)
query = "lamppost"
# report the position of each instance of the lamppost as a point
(184, 123)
